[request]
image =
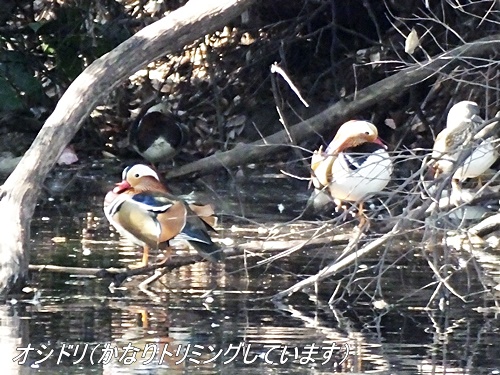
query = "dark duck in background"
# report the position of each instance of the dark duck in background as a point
(158, 134)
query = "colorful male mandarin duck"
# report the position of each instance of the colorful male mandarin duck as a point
(460, 134)
(141, 209)
(354, 165)
(158, 135)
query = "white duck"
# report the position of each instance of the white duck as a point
(460, 134)
(354, 165)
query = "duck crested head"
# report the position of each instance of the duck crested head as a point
(351, 134)
(139, 178)
(463, 114)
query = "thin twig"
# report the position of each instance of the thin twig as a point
(276, 69)
(335, 267)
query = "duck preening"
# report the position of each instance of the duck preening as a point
(463, 134)
(158, 135)
(354, 165)
(143, 210)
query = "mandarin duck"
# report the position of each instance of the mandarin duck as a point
(354, 165)
(142, 209)
(158, 135)
(460, 133)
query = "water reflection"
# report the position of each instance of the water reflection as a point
(198, 317)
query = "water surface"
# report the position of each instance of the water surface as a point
(220, 319)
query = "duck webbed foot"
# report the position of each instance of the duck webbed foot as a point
(167, 253)
(144, 261)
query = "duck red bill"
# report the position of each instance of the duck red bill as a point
(121, 187)
(379, 141)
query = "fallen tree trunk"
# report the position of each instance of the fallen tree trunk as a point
(340, 112)
(19, 194)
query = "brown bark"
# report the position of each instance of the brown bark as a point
(19, 194)
(340, 112)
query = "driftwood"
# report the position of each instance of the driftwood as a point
(19, 194)
(487, 226)
(340, 112)
(118, 275)
(351, 252)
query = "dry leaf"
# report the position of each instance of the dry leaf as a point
(390, 123)
(68, 156)
(412, 42)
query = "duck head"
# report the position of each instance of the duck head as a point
(462, 115)
(137, 179)
(351, 134)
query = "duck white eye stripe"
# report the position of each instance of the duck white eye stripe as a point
(155, 175)
(140, 170)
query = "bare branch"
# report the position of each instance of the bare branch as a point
(342, 111)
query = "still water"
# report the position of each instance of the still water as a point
(220, 319)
